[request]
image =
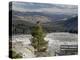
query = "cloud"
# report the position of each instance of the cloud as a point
(46, 8)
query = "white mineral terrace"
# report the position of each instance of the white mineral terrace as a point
(21, 43)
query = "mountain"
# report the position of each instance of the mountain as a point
(69, 25)
(22, 22)
(72, 24)
(51, 17)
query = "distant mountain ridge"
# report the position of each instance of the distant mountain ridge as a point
(72, 24)
(22, 22)
(51, 17)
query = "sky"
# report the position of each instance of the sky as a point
(45, 8)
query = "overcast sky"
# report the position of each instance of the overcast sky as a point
(44, 7)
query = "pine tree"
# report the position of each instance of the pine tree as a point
(37, 40)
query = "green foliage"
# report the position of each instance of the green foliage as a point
(15, 55)
(38, 41)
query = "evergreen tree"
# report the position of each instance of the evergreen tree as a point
(37, 40)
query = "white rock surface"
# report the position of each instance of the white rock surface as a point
(21, 43)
